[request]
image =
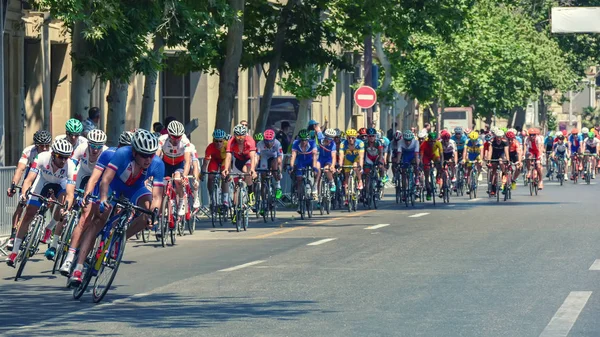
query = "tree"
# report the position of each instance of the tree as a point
(590, 117)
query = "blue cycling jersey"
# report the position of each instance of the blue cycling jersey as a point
(325, 152)
(123, 162)
(460, 141)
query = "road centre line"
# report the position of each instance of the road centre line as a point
(567, 314)
(243, 265)
(476, 199)
(595, 265)
(320, 242)
(418, 215)
(378, 226)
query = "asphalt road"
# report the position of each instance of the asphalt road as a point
(470, 268)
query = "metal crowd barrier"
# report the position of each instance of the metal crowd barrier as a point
(9, 204)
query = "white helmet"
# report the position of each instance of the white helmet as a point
(96, 137)
(398, 135)
(585, 131)
(330, 133)
(176, 129)
(125, 138)
(422, 133)
(144, 141)
(499, 133)
(240, 130)
(62, 147)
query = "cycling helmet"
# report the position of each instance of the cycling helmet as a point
(240, 130)
(499, 133)
(432, 136)
(338, 132)
(408, 135)
(534, 131)
(269, 135)
(303, 134)
(176, 129)
(560, 136)
(96, 137)
(585, 130)
(312, 122)
(362, 131)
(504, 129)
(473, 135)
(564, 132)
(258, 137)
(219, 134)
(510, 135)
(342, 135)
(458, 129)
(62, 147)
(371, 132)
(143, 141)
(42, 137)
(125, 138)
(351, 133)
(445, 135)
(514, 131)
(488, 137)
(330, 133)
(591, 134)
(398, 135)
(422, 134)
(74, 126)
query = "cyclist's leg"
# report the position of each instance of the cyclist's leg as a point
(358, 171)
(142, 198)
(59, 228)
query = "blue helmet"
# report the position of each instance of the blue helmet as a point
(219, 134)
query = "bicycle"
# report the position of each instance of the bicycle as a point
(549, 166)
(105, 257)
(560, 170)
(407, 177)
(575, 162)
(240, 211)
(445, 191)
(498, 185)
(65, 239)
(432, 182)
(266, 200)
(460, 180)
(507, 191)
(325, 194)
(587, 166)
(338, 197)
(534, 179)
(370, 182)
(30, 245)
(167, 215)
(305, 199)
(352, 189)
(185, 220)
(473, 180)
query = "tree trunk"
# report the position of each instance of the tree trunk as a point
(278, 44)
(117, 106)
(543, 112)
(81, 83)
(384, 103)
(303, 115)
(228, 74)
(149, 96)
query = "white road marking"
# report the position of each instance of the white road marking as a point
(378, 226)
(243, 265)
(418, 215)
(450, 205)
(320, 242)
(567, 314)
(595, 265)
(476, 199)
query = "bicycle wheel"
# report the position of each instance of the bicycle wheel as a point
(245, 219)
(63, 243)
(257, 198)
(173, 234)
(498, 184)
(31, 246)
(163, 222)
(588, 174)
(109, 266)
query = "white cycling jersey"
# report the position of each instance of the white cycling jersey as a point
(591, 143)
(42, 165)
(449, 146)
(412, 147)
(29, 154)
(174, 154)
(274, 151)
(81, 156)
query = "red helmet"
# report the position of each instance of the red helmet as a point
(445, 135)
(362, 132)
(534, 131)
(269, 134)
(510, 135)
(564, 132)
(574, 131)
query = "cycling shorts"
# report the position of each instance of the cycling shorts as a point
(41, 186)
(325, 162)
(134, 194)
(590, 149)
(349, 163)
(407, 157)
(449, 156)
(513, 156)
(474, 156)
(265, 163)
(300, 165)
(238, 165)
(214, 166)
(82, 180)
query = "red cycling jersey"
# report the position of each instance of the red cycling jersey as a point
(241, 153)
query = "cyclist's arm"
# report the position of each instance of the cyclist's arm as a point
(96, 174)
(19, 173)
(227, 161)
(157, 195)
(28, 182)
(361, 158)
(253, 160)
(333, 157)
(315, 158)
(70, 194)
(341, 158)
(107, 178)
(196, 170)
(188, 162)
(506, 154)
(293, 159)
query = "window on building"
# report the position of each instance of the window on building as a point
(175, 94)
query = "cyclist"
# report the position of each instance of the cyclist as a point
(362, 134)
(422, 136)
(499, 151)
(460, 138)
(431, 150)
(574, 141)
(386, 154)
(50, 170)
(214, 155)
(514, 155)
(548, 143)
(270, 154)
(534, 144)
(126, 174)
(352, 153)
(73, 129)
(328, 157)
(339, 136)
(85, 157)
(592, 146)
(176, 152)
(407, 153)
(560, 151)
(304, 154)
(241, 151)
(472, 153)
(374, 155)
(196, 174)
(41, 143)
(91, 221)
(450, 154)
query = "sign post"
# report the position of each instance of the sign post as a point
(365, 97)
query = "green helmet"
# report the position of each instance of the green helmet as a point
(504, 129)
(432, 135)
(303, 134)
(591, 134)
(74, 126)
(258, 137)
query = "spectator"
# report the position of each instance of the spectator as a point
(92, 122)
(157, 127)
(313, 125)
(245, 123)
(392, 131)
(283, 136)
(167, 121)
(427, 127)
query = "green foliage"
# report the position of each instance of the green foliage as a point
(590, 117)
(551, 123)
(308, 83)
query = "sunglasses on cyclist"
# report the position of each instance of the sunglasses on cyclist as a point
(351, 138)
(95, 147)
(240, 137)
(175, 137)
(370, 136)
(269, 141)
(146, 155)
(61, 157)
(219, 141)
(73, 134)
